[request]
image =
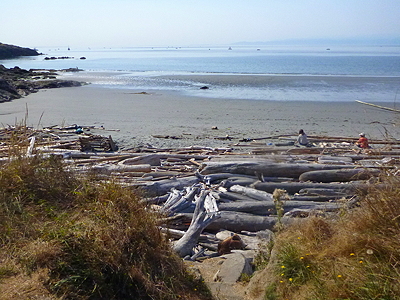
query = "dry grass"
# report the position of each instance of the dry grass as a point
(64, 238)
(356, 256)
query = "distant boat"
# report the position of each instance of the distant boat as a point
(328, 48)
(69, 48)
(230, 48)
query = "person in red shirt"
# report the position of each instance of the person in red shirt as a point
(362, 141)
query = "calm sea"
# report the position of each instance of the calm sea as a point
(367, 73)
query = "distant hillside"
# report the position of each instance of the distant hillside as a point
(11, 51)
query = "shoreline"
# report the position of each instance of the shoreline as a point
(134, 117)
(263, 87)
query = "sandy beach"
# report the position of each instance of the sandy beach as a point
(135, 117)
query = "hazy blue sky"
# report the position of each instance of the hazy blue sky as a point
(110, 23)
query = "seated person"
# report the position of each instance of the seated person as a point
(302, 139)
(362, 142)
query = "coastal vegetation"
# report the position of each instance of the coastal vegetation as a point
(67, 237)
(355, 255)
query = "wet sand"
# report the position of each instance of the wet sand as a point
(133, 118)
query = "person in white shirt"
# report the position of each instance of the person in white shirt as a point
(302, 139)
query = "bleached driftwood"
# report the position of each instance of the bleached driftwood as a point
(379, 106)
(227, 183)
(252, 193)
(164, 186)
(213, 178)
(31, 145)
(109, 168)
(179, 201)
(227, 196)
(238, 221)
(205, 213)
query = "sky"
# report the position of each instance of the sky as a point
(138, 23)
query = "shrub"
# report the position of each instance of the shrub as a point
(354, 256)
(96, 241)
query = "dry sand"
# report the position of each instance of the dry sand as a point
(139, 117)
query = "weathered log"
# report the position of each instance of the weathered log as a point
(170, 174)
(162, 187)
(342, 160)
(342, 175)
(295, 187)
(106, 158)
(324, 192)
(233, 221)
(179, 201)
(155, 159)
(252, 193)
(267, 168)
(200, 220)
(379, 106)
(264, 208)
(131, 174)
(31, 145)
(108, 169)
(237, 221)
(229, 179)
(227, 183)
(230, 196)
(305, 198)
(213, 178)
(151, 159)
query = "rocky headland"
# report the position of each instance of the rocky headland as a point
(11, 51)
(16, 82)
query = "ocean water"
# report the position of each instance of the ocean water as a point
(301, 73)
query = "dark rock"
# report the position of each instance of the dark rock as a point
(57, 83)
(7, 91)
(16, 82)
(71, 70)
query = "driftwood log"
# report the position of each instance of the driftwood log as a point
(237, 221)
(264, 167)
(252, 193)
(264, 208)
(295, 187)
(342, 175)
(162, 187)
(205, 213)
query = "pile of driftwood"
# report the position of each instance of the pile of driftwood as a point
(74, 137)
(201, 191)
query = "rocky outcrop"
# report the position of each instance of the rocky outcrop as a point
(16, 82)
(11, 51)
